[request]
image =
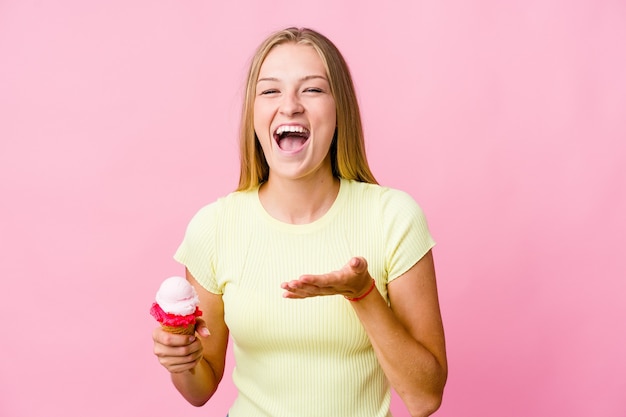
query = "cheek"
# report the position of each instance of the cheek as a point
(331, 122)
(261, 117)
(261, 131)
(331, 113)
(260, 128)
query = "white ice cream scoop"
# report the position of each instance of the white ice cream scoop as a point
(177, 296)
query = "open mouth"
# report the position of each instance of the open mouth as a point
(291, 138)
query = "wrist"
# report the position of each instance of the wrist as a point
(365, 294)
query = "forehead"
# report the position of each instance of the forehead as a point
(291, 59)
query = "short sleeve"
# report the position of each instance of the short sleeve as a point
(197, 250)
(407, 235)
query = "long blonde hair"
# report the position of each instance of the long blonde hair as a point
(348, 157)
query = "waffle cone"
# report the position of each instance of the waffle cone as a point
(189, 329)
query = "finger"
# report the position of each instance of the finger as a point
(288, 286)
(303, 290)
(178, 358)
(291, 291)
(300, 285)
(169, 339)
(358, 264)
(179, 365)
(180, 368)
(319, 281)
(289, 294)
(190, 351)
(201, 328)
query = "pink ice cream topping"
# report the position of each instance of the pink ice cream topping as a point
(176, 303)
(173, 320)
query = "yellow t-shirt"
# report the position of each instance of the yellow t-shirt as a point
(309, 357)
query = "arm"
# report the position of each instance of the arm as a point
(204, 353)
(408, 338)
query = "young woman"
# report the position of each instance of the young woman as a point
(324, 279)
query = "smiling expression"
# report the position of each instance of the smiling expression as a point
(294, 112)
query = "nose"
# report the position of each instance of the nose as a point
(291, 104)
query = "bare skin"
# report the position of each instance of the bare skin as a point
(204, 353)
(407, 337)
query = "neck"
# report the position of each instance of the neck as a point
(299, 201)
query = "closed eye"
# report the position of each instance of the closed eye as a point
(313, 90)
(268, 92)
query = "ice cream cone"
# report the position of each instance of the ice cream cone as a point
(176, 306)
(188, 329)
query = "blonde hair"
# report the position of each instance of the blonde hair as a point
(348, 157)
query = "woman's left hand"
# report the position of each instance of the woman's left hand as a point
(353, 280)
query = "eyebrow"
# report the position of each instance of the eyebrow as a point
(306, 78)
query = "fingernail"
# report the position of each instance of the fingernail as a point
(192, 339)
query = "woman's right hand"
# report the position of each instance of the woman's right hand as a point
(179, 353)
(202, 354)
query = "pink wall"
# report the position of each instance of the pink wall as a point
(505, 119)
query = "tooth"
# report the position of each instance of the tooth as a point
(283, 129)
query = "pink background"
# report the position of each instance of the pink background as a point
(504, 119)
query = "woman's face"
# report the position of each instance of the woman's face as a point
(294, 112)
